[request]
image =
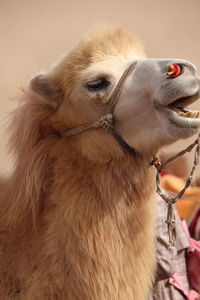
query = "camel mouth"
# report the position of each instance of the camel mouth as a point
(179, 114)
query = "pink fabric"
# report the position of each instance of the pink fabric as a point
(176, 281)
(194, 227)
(193, 260)
(171, 261)
(193, 264)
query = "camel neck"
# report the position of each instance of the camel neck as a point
(116, 178)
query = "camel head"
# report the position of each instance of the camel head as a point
(151, 110)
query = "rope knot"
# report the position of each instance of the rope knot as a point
(105, 122)
(157, 163)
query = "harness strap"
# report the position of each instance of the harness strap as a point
(118, 89)
(123, 143)
(107, 120)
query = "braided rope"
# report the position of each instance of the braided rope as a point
(105, 122)
(170, 199)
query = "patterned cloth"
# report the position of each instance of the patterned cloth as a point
(170, 260)
(194, 227)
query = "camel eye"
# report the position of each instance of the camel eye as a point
(97, 84)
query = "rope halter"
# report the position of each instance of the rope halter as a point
(107, 120)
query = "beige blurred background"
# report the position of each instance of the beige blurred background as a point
(34, 33)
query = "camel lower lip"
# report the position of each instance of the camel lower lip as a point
(183, 121)
(177, 112)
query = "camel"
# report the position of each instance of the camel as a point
(77, 214)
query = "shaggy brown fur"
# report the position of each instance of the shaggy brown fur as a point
(77, 213)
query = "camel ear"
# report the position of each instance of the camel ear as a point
(48, 88)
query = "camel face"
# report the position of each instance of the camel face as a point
(151, 110)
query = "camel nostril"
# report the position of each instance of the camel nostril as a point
(174, 70)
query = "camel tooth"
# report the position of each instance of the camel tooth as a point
(181, 114)
(187, 114)
(195, 114)
(198, 114)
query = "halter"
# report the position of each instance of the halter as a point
(107, 120)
